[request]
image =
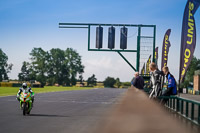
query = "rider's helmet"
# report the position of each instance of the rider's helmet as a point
(24, 85)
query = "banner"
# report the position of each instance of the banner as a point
(156, 55)
(143, 69)
(165, 48)
(147, 65)
(188, 37)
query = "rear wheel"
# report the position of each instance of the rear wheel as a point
(24, 108)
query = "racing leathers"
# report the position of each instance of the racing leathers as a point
(156, 83)
(29, 90)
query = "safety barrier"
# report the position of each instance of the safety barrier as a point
(8, 84)
(189, 109)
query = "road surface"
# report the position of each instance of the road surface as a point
(191, 97)
(59, 112)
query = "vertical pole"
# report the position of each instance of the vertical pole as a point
(168, 103)
(177, 105)
(154, 43)
(192, 112)
(138, 49)
(186, 113)
(182, 106)
(88, 37)
(170, 99)
(199, 114)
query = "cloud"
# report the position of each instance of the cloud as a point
(104, 62)
(107, 66)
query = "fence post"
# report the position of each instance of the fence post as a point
(170, 100)
(186, 113)
(173, 103)
(177, 104)
(199, 114)
(192, 111)
(182, 106)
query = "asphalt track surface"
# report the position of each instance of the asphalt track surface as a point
(59, 112)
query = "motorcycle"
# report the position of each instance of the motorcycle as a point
(25, 102)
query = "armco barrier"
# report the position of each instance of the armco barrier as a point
(36, 85)
(189, 109)
(6, 84)
(16, 85)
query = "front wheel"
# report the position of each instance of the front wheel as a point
(28, 112)
(24, 108)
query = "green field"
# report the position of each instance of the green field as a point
(8, 91)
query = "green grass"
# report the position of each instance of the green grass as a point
(8, 91)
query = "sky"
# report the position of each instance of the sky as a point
(25, 24)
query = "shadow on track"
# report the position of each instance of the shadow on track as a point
(47, 115)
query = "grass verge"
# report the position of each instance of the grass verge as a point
(9, 91)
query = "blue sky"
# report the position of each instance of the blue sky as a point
(34, 23)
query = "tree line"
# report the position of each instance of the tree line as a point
(63, 67)
(54, 66)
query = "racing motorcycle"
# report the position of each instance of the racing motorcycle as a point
(26, 102)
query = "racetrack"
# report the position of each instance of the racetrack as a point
(59, 112)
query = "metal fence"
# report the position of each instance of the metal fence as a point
(189, 109)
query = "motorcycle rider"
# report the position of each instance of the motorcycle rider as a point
(25, 87)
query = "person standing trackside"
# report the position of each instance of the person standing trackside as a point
(171, 85)
(138, 81)
(156, 82)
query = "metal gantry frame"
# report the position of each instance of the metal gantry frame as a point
(89, 25)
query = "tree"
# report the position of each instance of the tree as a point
(81, 79)
(118, 83)
(32, 73)
(63, 66)
(5, 68)
(192, 68)
(109, 82)
(92, 81)
(25, 72)
(194, 65)
(55, 66)
(39, 64)
(74, 64)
